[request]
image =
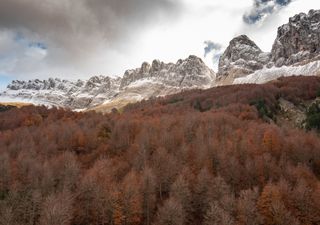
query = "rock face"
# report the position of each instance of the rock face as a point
(72, 94)
(298, 40)
(241, 58)
(147, 81)
(191, 72)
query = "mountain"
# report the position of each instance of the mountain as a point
(298, 42)
(147, 81)
(296, 51)
(56, 92)
(241, 58)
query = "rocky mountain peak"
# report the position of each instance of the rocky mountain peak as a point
(145, 68)
(36, 84)
(100, 82)
(194, 58)
(193, 72)
(192, 65)
(185, 73)
(240, 43)
(156, 65)
(241, 57)
(298, 40)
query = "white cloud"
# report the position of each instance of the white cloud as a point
(203, 20)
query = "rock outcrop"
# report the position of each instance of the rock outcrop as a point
(71, 94)
(242, 57)
(297, 41)
(191, 72)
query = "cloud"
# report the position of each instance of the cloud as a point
(60, 20)
(261, 9)
(211, 46)
(213, 50)
(73, 32)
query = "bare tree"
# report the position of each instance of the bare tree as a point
(6, 216)
(149, 195)
(132, 199)
(165, 169)
(181, 192)
(57, 209)
(280, 214)
(4, 173)
(171, 213)
(216, 215)
(247, 210)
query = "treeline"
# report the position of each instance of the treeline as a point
(199, 157)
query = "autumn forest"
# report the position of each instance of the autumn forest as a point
(218, 156)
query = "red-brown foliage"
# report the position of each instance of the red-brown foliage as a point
(199, 157)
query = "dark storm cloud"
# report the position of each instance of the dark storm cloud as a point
(73, 29)
(283, 2)
(263, 8)
(71, 16)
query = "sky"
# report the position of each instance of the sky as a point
(75, 39)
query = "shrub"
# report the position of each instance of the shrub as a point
(313, 117)
(263, 108)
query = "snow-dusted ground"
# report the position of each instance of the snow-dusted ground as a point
(265, 75)
(143, 82)
(36, 97)
(6, 99)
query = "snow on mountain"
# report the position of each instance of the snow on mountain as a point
(267, 74)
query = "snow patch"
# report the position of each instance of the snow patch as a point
(267, 74)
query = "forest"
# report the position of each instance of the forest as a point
(212, 157)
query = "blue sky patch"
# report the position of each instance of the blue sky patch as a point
(21, 39)
(37, 45)
(4, 81)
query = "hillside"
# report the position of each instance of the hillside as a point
(216, 156)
